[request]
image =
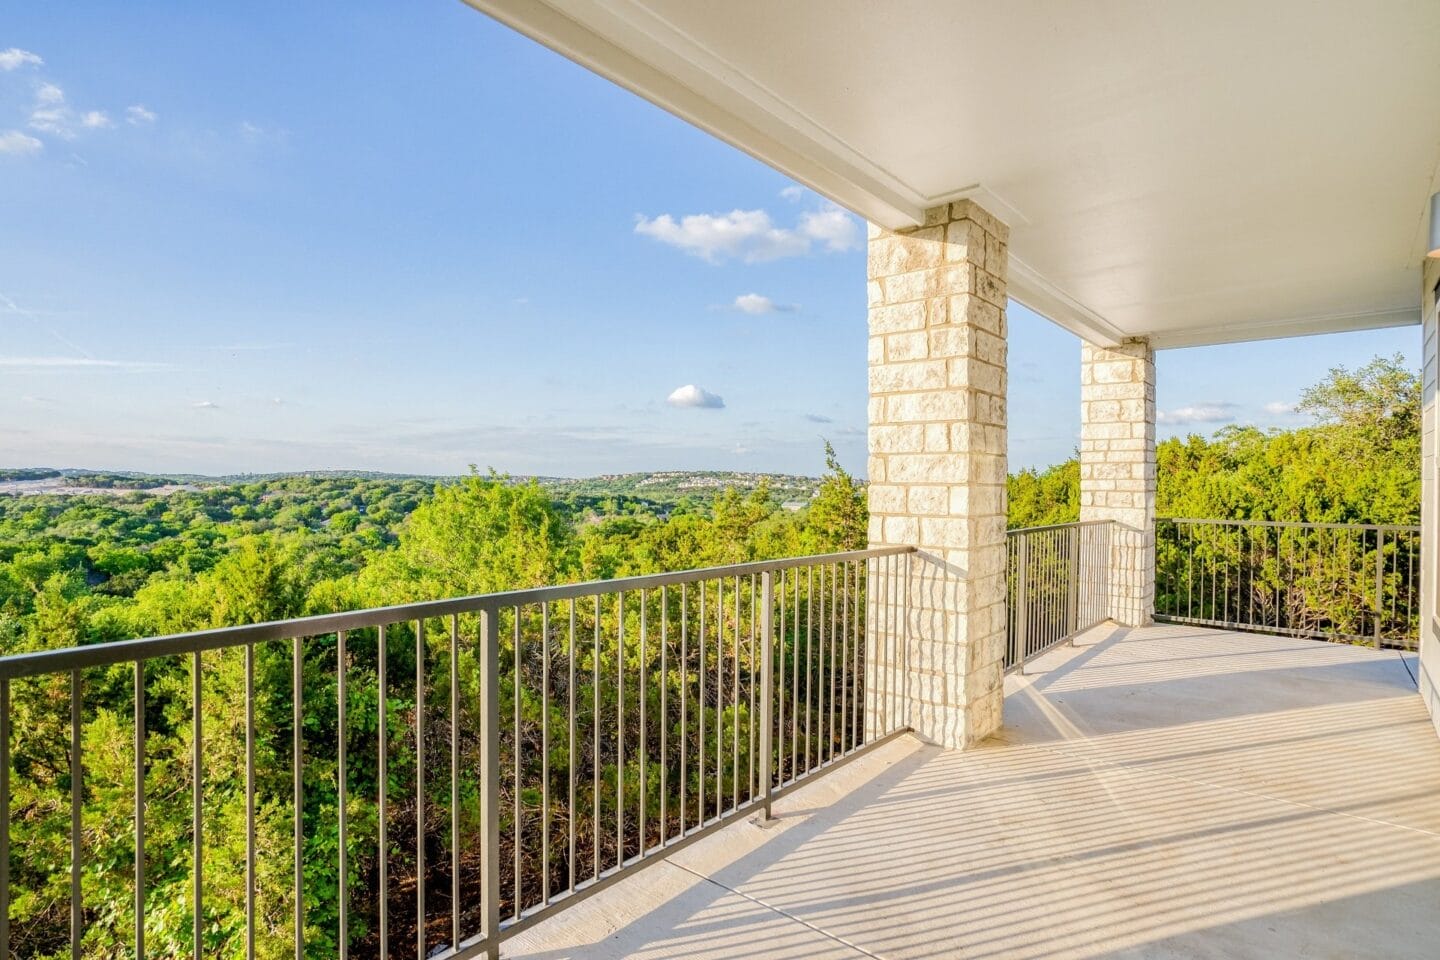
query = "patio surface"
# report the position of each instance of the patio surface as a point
(1161, 792)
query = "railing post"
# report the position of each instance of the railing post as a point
(1072, 610)
(1379, 582)
(490, 776)
(1022, 602)
(767, 687)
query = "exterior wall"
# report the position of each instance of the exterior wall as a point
(1117, 468)
(1429, 673)
(937, 463)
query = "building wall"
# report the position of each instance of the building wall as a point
(1429, 673)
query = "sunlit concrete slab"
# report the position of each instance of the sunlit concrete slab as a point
(1162, 792)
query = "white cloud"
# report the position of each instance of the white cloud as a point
(748, 235)
(52, 115)
(751, 235)
(792, 193)
(1280, 408)
(206, 405)
(692, 396)
(818, 418)
(756, 303)
(49, 363)
(15, 143)
(136, 114)
(1198, 413)
(833, 227)
(15, 58)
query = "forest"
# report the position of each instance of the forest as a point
(88, 568)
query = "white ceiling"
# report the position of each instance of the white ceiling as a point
(1196, 172)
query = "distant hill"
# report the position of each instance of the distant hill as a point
(664, 486)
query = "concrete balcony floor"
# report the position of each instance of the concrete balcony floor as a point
(1162, 792)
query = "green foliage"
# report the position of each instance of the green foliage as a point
(86, 568)
(1358, 463)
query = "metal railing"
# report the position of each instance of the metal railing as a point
(1357, 583)
(1057, 585)
(432, 777)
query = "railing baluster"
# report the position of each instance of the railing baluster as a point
(419, 789)
(544, 754)
(1379, 585)
(490, 777)
(519, 831)
(382, 787)
(455, 779)
(684, 699)
(139, 748)
(664, 715)
(767, 686)
(5, 827)
(795, 674)
(620, 729)
(750, 732)
(595, 746)
(197, 781)
(298, 688)
(809, 658)
(572, 746)
(342, 696)
(780, 666)
(735, 705)
(719, 695)
(700, 708)
(644, 695)
(250, 801)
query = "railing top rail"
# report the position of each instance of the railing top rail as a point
(1057, 526)
(1289, 524)
(41, 662)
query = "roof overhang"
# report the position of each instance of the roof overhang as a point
(1191, 173)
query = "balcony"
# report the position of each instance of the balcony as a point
(1168, 791)
(725, 762)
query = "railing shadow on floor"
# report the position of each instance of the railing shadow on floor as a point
(901, 869)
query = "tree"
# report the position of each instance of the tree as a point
(1379, 403)
(838, 518)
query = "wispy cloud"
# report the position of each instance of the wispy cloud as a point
(756, 304)
(696, 397)
(818, 418)
(1280, 408)
(61, 363)
(831, 227)
(136, 115)
(14, 143)
(15, 58)
(1220, 412)
(205, 405)
(95, 120)
(793, 193)
(751, 235)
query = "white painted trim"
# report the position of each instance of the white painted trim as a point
(1278, 329)
(1027, 287)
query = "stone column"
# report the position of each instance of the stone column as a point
(937, 467)
(1117, 468)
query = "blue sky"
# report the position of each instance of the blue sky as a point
(401, 237)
